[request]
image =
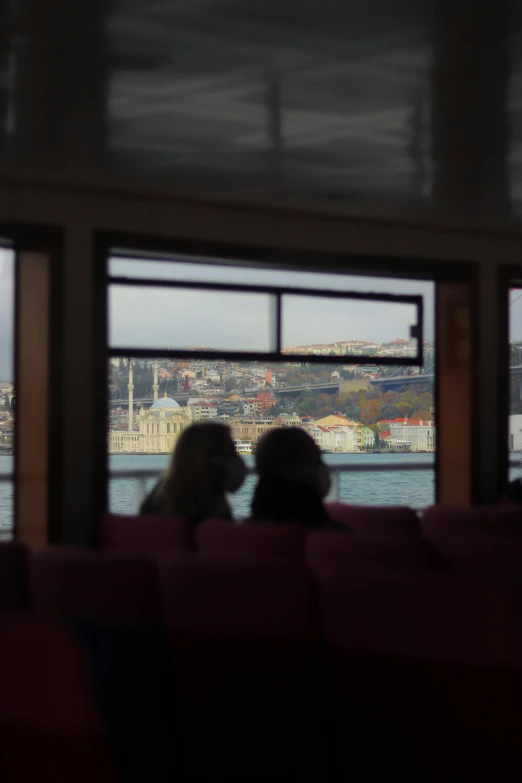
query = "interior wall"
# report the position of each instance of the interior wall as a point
(82, 214)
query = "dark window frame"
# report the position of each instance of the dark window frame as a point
(277, 354)
(172, 248)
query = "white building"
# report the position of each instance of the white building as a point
(339, 439)
(420, 433)
(202, 411)
(368, 438)
(321, 436)
(515, 432)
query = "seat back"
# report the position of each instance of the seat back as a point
(425, 717)
(244, 636)
(14, 592)
(375, 520)
(496, 557)
(439, 523)
(432, 616)
(50, 726)
(153, 535)
(252, 541)
(94, 586)
(329, 551)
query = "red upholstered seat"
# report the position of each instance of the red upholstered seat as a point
(375, 520)
(421, 676)
(95, 586)
(426, 615)
(424, 719)
(254, 541)
(247, 659)
(438, 523)
(50, 727)
(14, 592)
(146, 535)
(490, 556)
(329, 551)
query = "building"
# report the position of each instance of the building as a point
(419, 433)
(202, 411)
(153, 431)
(250, 429)
(339, 439)
(267, 399)
(368, 438)
(290, 420)
(321, 436)
(515, 432)
(342, 421)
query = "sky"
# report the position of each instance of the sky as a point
(6, 314)
(162, 318)
(515, 314)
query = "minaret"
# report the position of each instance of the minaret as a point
(155, 388)
(131, 397)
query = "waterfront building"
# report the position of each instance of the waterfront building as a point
(419, 433)
(515, 432)
(368, 438)
(251, 429)
(152, 431)
(338, 439)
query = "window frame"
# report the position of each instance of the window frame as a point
(163, 247)
(277, 293)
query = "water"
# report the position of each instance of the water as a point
(6, 497)
(374, 488)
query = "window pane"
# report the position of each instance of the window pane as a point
(347, 327)
(6, 391)
(141, 317)
(356, 418)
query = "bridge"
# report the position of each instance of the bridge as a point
(183, 397)
(398, 382)
(395, 382)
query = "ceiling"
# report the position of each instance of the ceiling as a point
(411, 103)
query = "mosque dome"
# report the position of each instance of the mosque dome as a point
(165, 402)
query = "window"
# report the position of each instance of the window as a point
(7, 392)
(354, 354)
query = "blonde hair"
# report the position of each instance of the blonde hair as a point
(194, 485)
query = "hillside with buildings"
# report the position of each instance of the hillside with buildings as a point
(163, 397)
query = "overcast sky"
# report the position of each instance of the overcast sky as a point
(162, 318)
(145, 317)
(6, 314)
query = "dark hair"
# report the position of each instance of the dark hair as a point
(286, 446)
(195, 479)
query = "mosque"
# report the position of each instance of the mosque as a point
(159, 426)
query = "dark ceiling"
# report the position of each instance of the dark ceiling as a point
(410, 102)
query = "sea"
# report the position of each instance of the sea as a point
(376, 487)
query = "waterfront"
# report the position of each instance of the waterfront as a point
(416, 489)
(404, 488)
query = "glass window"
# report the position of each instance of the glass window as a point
(361, 413)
